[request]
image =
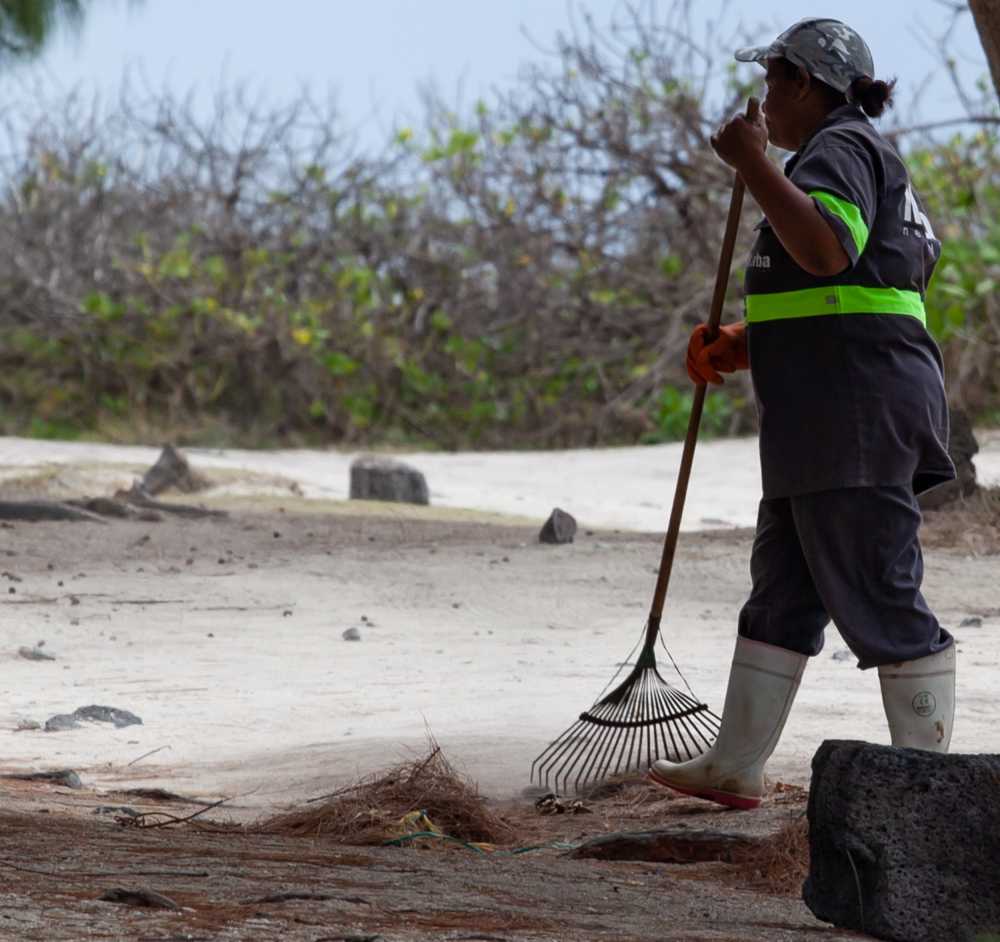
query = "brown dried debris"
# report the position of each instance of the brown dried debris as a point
(970, 524)
(370, 811)
(778, 864)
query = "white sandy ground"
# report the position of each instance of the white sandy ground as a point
(627, 488)
(493, 648)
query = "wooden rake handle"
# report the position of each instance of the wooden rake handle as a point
(687, 457)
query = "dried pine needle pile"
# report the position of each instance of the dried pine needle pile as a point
(370, 812)
(780, 863)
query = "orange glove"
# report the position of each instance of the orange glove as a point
(726, 354)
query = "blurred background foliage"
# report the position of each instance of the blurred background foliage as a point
(959, 181)
(523, 274)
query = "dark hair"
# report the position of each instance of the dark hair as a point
(873, 95)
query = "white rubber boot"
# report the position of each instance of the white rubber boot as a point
(919, 700)
(763, 681)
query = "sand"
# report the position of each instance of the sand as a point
(226, 637)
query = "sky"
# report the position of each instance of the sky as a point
(374, 55)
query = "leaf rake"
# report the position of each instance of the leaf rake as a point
(644, 718)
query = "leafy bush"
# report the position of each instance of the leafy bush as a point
(525, 275)
(960, 182)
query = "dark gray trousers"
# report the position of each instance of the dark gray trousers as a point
(851, 556)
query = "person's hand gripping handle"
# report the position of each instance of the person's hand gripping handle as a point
(713, 350)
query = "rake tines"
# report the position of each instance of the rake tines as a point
(643, 719)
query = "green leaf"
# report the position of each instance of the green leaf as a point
(460, 142)
(176, 264)
(361, 408)
(103, 306)
(671, 265)
(340, 364)
(441, 321)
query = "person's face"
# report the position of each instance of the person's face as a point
(783, 105)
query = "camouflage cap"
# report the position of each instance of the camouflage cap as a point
(827, 49)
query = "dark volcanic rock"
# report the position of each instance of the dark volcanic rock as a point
(35, 654)
(65, 777)
(903, 843)
(171, 470)
(93, 714)
(376, 478)
(559, 528)
(106, 714)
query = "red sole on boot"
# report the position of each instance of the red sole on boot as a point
(740, 802)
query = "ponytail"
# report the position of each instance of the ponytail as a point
(873, 96)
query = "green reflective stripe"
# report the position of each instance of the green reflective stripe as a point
(847, 213)
(836, 299)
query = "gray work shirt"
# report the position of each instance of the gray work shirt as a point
(849, 383)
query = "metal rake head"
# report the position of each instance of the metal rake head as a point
(643, 719)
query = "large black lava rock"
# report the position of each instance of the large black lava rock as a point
(904, 844)
(374, 477)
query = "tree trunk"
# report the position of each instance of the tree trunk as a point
(986, 14)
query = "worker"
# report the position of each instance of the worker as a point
(851, 400)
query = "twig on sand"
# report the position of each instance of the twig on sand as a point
(169, 819)
(146, 755)
(340, 791)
